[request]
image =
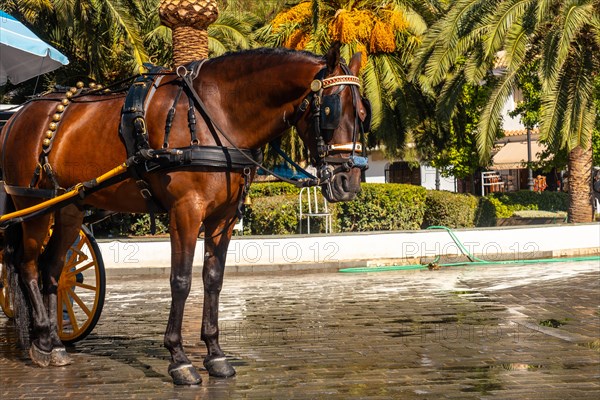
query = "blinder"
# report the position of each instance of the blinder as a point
(326, 115)
(331, 113)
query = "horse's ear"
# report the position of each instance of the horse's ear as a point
(333, 57)
(355, 63)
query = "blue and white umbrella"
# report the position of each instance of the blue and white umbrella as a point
(22, 54)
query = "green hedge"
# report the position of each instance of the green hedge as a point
(456, 210)
(262, 189)
(509, 202)
(124, 225)
(379, 207)
(383, 206)
(272, 215)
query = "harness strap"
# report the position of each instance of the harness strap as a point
(30, 192)
(199, 156)
(187, 79)
(171, 116)
(192, 121)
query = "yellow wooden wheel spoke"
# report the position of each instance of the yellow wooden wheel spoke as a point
(88, 287)
(69, 307)
(81, 269)
(79, 302)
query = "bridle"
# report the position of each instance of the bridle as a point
(325, 111)
(325, 116)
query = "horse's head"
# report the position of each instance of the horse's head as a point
(334, 119)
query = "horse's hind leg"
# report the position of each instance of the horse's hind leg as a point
(33, 234)
(185, 221)
(66, 229)
(216, 242)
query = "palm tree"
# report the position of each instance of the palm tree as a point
(101, 37)
(110, 39)
(385, 32)
(463, 47)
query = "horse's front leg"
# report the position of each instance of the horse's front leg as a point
(217, 237)
(66, 230)
(184, 226)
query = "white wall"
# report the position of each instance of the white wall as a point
(428, 180)
(297, 252)
(378, 164)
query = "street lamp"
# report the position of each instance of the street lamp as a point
(529, 170)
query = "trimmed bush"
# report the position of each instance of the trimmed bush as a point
(379, 207)
(262, 189)
(509, 202)
(125, 225)
(449, 209)
(486, 213)
(272, 215)
(383, 206)
(457, 210)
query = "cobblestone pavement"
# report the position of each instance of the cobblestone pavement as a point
(501, 332)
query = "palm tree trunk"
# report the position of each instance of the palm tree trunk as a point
(580, 185)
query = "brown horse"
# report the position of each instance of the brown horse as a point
(250, 98)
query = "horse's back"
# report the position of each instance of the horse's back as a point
(84, 139)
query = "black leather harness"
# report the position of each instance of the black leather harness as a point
(133, 132)
(142, 159)
(325, 111)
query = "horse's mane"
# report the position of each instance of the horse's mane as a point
(270, 52)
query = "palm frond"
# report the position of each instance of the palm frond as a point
(125, 22)
(515, 46)
(501, 22)
(575, 14)
(489, 123)
(416, 23)
(231, 31)
(374, 91)
(580, 119)
(544, 8)
(555, 102)
(449, 96)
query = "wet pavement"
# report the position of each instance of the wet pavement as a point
(501, 332)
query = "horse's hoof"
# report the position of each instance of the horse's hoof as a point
(184, 374)
(219, 367)
(39, 357)
(60, 357)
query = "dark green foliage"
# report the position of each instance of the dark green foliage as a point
(449, 209)
(272, 189)
(486, 213)
(379, 207)
(123, 225)
(383, 207)
(272, 215)
(527, 200)
(456, 210)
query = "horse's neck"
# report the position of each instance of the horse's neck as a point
(259, 101)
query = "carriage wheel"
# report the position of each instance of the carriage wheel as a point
(81, 289)
(5, 294)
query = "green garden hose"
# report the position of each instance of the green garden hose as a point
(472, 260)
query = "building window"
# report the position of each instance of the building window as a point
(403, 172)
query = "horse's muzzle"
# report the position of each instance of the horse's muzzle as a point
(343, 186)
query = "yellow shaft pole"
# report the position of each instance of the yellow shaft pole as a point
(65, 196)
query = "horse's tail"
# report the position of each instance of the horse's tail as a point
(12, 257)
